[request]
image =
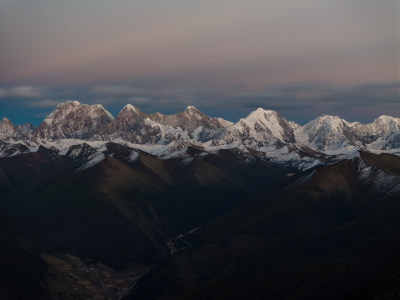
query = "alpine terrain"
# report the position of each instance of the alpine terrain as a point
(186, 206)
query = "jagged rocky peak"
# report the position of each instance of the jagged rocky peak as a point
(189, 120)
(26, 128)
(6, 122)
(73, 120)
(194, 112)
(7, 129)
(73, 106)
(204, 120)
(129, 125)
(129, 116)
(131, 110)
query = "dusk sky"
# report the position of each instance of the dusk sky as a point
(301, 58)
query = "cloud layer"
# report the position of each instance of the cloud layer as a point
(299, 102)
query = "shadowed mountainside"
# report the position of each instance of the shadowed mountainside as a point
(120, 213)
(325, 234)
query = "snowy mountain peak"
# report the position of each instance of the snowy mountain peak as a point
(69, 103)
(101, 107)
(191, 108)
(259, 113)
(261, 110)
(327, 133)
(333, 122)
(262, 115)
(224, 123)
(75, 102)
(329, 116)
(263, 127)
(192, 111)
(130, 107)
(131, 113)
(5, 119)
(386, 120)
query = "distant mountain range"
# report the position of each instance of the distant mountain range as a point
(263, 134)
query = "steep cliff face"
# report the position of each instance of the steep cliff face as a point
(7, 129)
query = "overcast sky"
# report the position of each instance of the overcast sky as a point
(227, 57)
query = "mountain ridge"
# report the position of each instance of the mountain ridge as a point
(263, 133)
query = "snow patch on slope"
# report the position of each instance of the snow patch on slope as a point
(91, 163)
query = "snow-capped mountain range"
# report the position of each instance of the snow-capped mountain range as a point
(263, 134)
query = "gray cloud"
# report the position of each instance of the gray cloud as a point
(300, 102)
(115, 90)
(21, 92)
(43, 103)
